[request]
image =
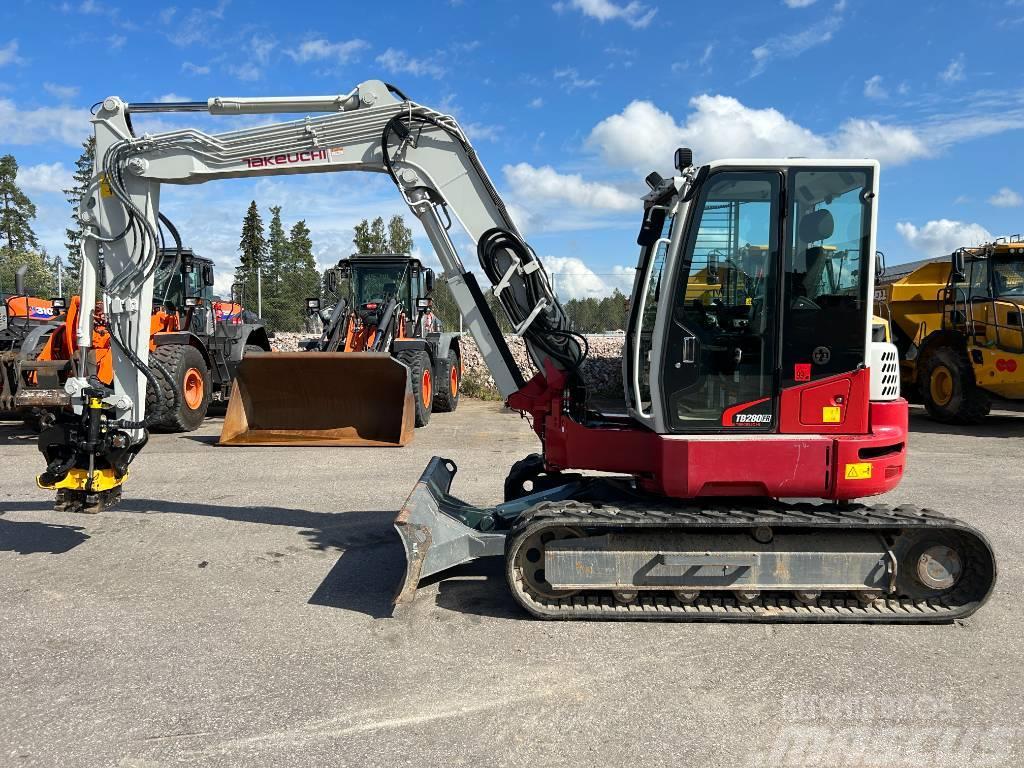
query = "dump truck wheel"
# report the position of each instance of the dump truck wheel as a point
(948, 389)
(449, 382)
(190, 378)
(422, 377)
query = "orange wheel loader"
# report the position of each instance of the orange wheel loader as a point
(381, 367)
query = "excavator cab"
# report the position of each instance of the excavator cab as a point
(755, 287)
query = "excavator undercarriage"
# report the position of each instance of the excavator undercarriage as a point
(597, 548)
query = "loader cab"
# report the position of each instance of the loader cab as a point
(369, 281)
(756, 287)
(185, 276)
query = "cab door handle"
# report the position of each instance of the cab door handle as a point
(689, 349)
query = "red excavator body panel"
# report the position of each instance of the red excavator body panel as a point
(833, 443)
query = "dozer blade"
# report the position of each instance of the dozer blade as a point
(320, 399)
(440, 531)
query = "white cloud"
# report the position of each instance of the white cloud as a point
(481, 132)
(399, 62)
(536, 103)
(573, 279)
(321, 49)
(955, 71)
(246, 71)
(1006, 198)
(705, 58)
(570, 80)
(643, 137)
(544, 186)
(167, 14)
(261, 48)
(62, 92)
(169, 98)
(874, 89)
(634, 13)
(9, 53)
(799, 3)
(116, 42)
(791, 46)
(38, 126)
(200, 25)
(194, 69)
(942, 236)
(52, 177)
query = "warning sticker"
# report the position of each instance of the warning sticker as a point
(802, 372)
(831, 414)
(859, 471)
(105, 190)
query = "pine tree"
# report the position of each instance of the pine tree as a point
(73, 235)
(276, 273)
(253, 247)
(304, 278)
(399, 236)
(16, 211)
(371, 237)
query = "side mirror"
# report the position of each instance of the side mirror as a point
(188, 264)
(713, 268)
(425, 303)
(879, 265)
(958, 273)
(332, 280)
(429, 280)
(59, 303)
(312, 306)
(208, 274)
(193, 301)
(653, 223)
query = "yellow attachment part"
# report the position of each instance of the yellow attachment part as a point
(77, 480)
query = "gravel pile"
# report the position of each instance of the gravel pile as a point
(602, 369)
(289, 342)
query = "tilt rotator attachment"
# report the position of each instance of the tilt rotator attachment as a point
(87, 457)
(599, 548)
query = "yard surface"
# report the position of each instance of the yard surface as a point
(234, 610)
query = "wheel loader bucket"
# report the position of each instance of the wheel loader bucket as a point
(320, 399)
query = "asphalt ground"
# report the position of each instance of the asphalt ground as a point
(234, 610)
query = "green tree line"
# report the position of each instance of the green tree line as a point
(18, 243)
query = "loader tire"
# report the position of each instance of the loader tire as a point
(421, 375)
(449, 383)
(948, 389)
(190, 379)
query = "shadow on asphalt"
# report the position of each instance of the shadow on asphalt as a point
(365, 578)
(30, 538)
(993, 425)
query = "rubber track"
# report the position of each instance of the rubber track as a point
(967, 596)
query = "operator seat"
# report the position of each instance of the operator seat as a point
(816, 226)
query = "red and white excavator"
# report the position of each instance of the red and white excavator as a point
(750, 377)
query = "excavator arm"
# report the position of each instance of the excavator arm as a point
(373, 128)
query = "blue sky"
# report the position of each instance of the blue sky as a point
(570, 104)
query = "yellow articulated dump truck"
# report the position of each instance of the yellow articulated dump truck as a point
(957, 322)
